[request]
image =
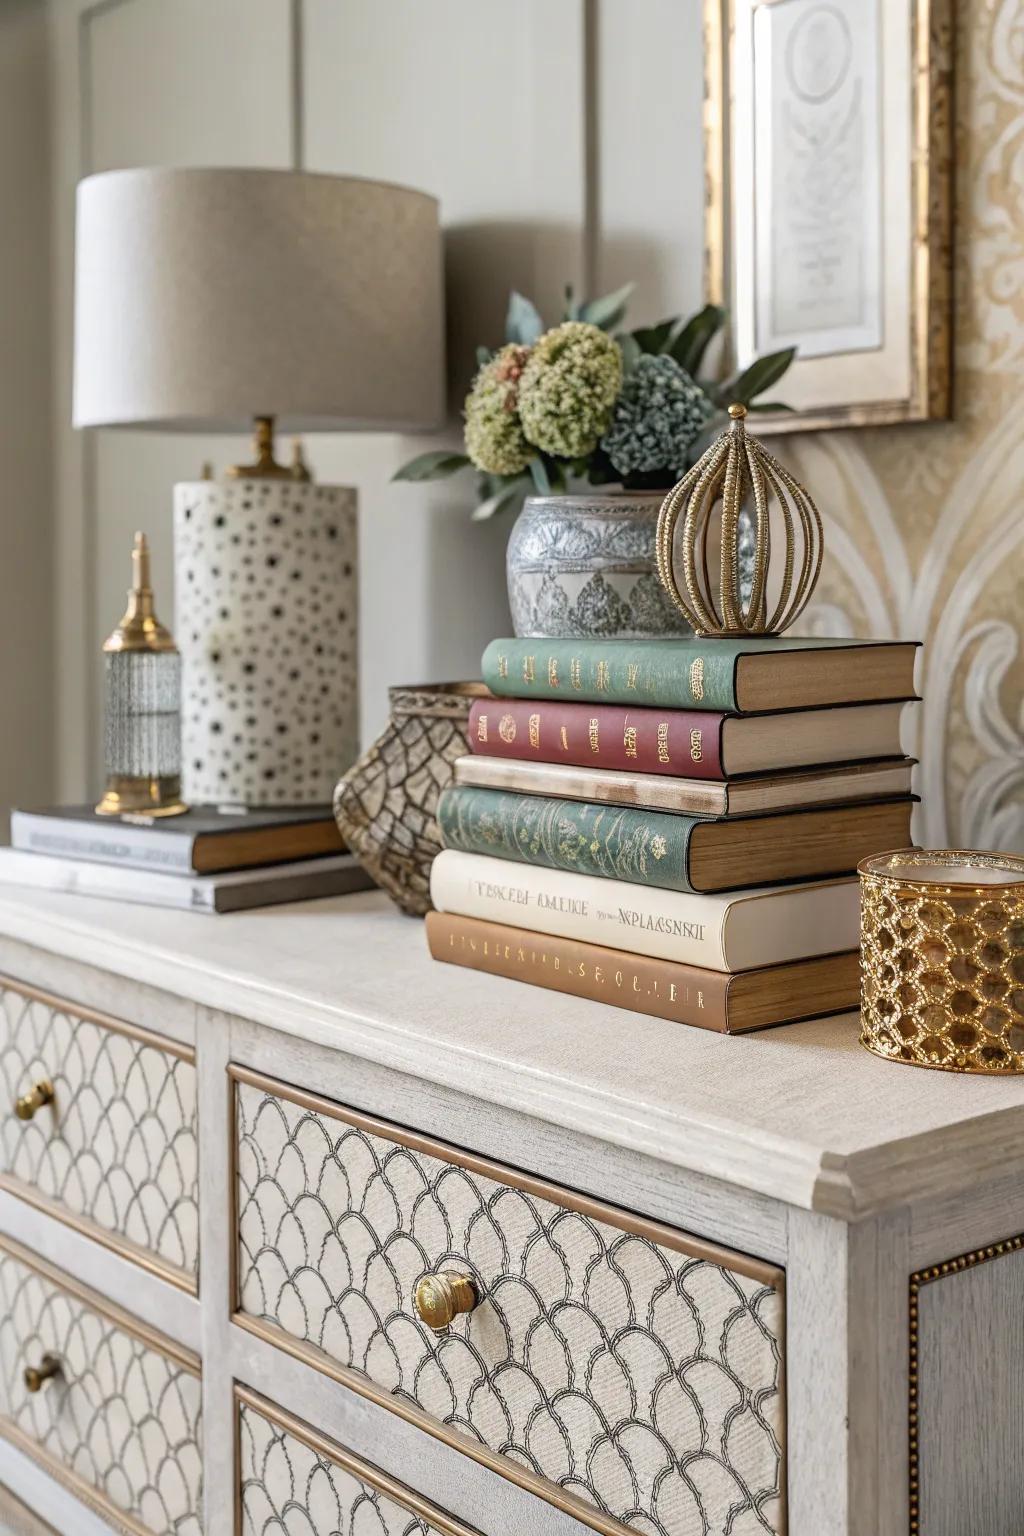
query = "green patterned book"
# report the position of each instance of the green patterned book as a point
(660, 848)
(744, 676)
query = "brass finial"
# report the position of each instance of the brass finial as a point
(140, 629)
(737, 472)
(299, 469)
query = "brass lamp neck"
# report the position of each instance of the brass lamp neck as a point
(265, 466)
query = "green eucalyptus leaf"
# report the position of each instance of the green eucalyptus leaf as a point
(761, 375)
(541, 480)
(631, 352)
(656, 338)
(572, 308)
(689, 346)
(483, 356)
(523, 323)
(770, 405)
(436, 465)
(609, 311)
(499, 500)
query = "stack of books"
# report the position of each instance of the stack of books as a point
(204, 860)
(675, 825)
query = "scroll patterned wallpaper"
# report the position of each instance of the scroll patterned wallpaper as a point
(925, 535)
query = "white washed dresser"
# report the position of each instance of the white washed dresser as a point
(251, 1169)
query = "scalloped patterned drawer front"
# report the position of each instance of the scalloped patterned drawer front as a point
(622, 1370)
(293, 1480)
(117, 1150)
(119, 1423)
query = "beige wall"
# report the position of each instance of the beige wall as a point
(519, 116)
(563, 137)
(26, 605)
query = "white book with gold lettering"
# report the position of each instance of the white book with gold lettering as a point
(736, 931)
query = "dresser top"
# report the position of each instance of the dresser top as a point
(802, 1113)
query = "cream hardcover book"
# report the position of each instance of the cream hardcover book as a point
(736, 931)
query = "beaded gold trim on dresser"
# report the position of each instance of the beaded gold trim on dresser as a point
(920, 1278)
(118, 1421)
(624, 1371)
(288, 1473)
(113, 1150)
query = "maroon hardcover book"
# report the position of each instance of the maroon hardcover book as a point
(680, 741)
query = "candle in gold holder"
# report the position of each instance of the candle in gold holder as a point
(942, 959)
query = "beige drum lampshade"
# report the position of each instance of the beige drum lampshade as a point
(204, 298)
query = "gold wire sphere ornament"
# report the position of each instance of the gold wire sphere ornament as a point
(738, 471)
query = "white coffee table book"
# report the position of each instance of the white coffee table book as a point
(299, 1229)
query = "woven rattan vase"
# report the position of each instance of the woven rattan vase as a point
(385, 805)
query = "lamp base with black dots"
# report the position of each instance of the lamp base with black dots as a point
(266, 619)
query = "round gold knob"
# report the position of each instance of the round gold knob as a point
(440, 1298)
(36, 1375)
(41, 1094)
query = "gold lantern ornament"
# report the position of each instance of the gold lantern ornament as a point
(142, 713)
(736, 473)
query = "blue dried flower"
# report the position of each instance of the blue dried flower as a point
(657, 416)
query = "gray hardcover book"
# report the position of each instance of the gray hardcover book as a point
(238, 891)
(201, 841)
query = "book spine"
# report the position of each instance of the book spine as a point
(663, 674)
(657, 793)
(600, 735)
(136, 847)
(661, 988)
(610, 841)
(664, 925)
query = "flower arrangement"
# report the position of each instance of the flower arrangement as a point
(587, 400)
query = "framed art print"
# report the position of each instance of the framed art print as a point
(828, 130)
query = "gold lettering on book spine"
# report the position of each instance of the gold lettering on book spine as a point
(534, 731)
(593, 732)
(529, 670)
(552, 671)
(695, 746)
(507, 728)
(481, 727)
(574, 673)
(629, 740)
(563, 736)
(503, 666)
(632, 673)
(697, 679)
(664, 756)
(603, 677)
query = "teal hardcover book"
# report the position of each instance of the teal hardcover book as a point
(745, 676)
(619, 843)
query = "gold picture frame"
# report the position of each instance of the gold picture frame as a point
(883, 352)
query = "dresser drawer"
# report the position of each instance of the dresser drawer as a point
(116, 1407)
(114, 1151)
(292, 1479)
(623, 1370)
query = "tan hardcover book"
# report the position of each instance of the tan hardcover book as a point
(715, 1000)
(694, 797)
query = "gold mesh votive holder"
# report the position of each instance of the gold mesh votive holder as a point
(942, 959)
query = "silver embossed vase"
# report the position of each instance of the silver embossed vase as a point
(585, 566)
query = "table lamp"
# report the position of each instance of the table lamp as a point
(216, 300)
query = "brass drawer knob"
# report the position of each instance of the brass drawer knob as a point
(440, 1298)
(36, 1375)
(41, 1094)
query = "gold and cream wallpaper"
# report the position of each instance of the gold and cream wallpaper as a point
(925, 524)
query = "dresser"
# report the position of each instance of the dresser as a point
(303, 1233)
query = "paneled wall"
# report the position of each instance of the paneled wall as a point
(536, 123)
(27, 605)
(564, 140)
